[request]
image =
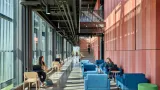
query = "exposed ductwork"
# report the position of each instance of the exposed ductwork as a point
(67, 18)
(75, 14)
(71, 20)
(62, 13)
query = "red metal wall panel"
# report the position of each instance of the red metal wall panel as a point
(157, 41)
(130, 36)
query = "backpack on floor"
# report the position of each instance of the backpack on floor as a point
(49, 82)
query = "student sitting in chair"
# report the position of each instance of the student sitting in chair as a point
(111, 67)
(58, 60)
(42, 74)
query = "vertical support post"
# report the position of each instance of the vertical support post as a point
(46, 43)
(102, 47)
(62, 51)
(27, 35)
(54, 44)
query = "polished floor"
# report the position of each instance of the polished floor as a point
(75, 81)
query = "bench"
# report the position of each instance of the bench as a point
(61, 77)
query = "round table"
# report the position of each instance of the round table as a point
(147, 86)
(115, 73)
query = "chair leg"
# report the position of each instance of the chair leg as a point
(58, 69)
(29, 87)
(36, 85)
(39, 84)
(23, 86)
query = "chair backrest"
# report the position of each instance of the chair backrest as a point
(84, 61)
(30, 75)
(97, 81)
(99, 61)
(56, 63)
(89, 67)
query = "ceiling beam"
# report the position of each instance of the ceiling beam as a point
(87, 2)
(60, 20)
(33, 3)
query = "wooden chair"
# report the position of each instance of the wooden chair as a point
(31, 77)
(56, 65)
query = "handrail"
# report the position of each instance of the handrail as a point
(92, 16)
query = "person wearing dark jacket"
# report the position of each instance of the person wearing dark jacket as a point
(42, 74)
(111, 67)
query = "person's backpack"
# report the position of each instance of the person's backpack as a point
(49, 82)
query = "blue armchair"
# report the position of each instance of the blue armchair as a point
(82, 66)
(97, 82)
(88, 67)
(90, 72)
(84, 61)
(104, 67)
(130, 81)
(99, 62)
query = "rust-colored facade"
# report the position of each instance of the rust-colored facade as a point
(132, 36)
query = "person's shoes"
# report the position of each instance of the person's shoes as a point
(42, 84)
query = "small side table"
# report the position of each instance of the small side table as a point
(115, 73)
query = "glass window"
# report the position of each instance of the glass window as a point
(6, 41)
(49, 47)
(58, 45)
(42, 40)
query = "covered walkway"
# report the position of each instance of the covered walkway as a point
(44, 33)
(75, 80)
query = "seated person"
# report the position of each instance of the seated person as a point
(111, 67)
(58, 60)
(56, 65)
(110, 64)
(42, 74)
